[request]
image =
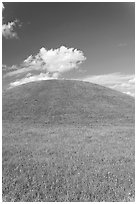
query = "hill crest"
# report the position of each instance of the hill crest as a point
(66, 101)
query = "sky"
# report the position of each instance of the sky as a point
(92, 41)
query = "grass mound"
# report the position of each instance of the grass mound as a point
(71, 154)
(66, 102)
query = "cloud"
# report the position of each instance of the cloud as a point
(129, 93)
(121, 82)
(4, 66)
(8, 69)
(28, 60)
(17, 71)
(30, 78)
(3, 7)
(53, 61)
(50, 63)
(59, 60)
(8, 30)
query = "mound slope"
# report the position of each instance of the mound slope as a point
(67, 141)
(66, 102)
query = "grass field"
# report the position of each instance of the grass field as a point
(83, 159)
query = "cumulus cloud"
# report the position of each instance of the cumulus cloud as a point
(117, 81)
(50, 63)
(59, 60)
(54, 61)
(8, 29)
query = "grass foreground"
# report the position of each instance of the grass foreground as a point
(68, 163)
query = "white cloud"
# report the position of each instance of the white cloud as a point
(129, 93)
(18, 71)
(3, 7)
(109, 79)
(8, 30)
(4, 66)
(30, 78)
(132, 81)
(28, 60)
(9, 69)
(54, 61)
(121, 82)
(50, 63)
(58, 60)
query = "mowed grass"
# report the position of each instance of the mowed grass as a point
(68, 163)
(66, 140)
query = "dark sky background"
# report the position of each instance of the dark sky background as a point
(103, 31)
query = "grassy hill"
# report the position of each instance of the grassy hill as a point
(67, 141)
(66, 102)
